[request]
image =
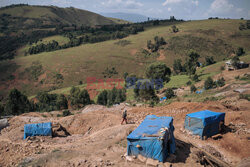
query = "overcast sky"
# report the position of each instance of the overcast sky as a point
(181, 9)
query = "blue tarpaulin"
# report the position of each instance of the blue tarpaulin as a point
(40, 129)
(204, 123)
(153, 138)
(163, 98)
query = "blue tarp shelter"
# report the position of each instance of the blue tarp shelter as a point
(204, 123)
(40, 129)
(153, 138)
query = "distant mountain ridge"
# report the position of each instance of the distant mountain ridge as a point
(132, 17)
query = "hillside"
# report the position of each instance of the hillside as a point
(25, 16)
(217, 38)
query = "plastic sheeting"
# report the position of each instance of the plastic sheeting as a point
(204, 123)
(40, 129)
(153, 138)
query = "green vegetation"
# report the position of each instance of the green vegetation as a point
(245, 96)
(154, 47)
(209, 83)
(169, 93)
(175, 29)
(66, 113)
(17, 103)
(240, 51)
(217, 38)
(79, 98)
(50, 102)
(145, 92)
(123, 43)
(34, 71)
(110, 97)
(209, 60)
(158, 70)
(193, 89)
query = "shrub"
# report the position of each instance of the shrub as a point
(175, 29)
(195, 78)
(220, 82)
(80, 82)
(192, 62)
(17, 103)
(177, 66)
(193, 88)
(79, 98)
(209, 83)
(240, 51)
(144, 92)
(158, 70)
(237, 77)
(1, 109)
(152, 104)
(61, 102)
(158, 42)
(188, 83)
(235, 62)
(245, 96)
(169, 93)
(210, 60)
(66, 113)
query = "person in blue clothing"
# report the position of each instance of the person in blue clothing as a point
(124, 117)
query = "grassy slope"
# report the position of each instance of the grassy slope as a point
(90, 60)
(59, 38)
(54, 15)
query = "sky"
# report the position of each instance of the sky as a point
(181, 9)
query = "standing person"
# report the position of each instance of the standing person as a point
(124, 117)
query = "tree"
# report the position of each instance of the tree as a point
(191, 62)
(144, 92)
(240, 51)
(209, 83)
(17, 103)
(209, 60)
(79, 98)
(61, 102)
(158, 70)
(169, 93)
(102, 98)
(193, 88)
(114, 96)
(84, 98)
(178, 68)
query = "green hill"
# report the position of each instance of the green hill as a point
(25, 16)
(64, 68)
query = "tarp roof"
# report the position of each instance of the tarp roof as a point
(208, 116)
(152, 126)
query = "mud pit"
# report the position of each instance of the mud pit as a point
(97, 138)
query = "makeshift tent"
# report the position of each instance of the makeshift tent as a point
(40, 129)
(204, 123)
(153, 138)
